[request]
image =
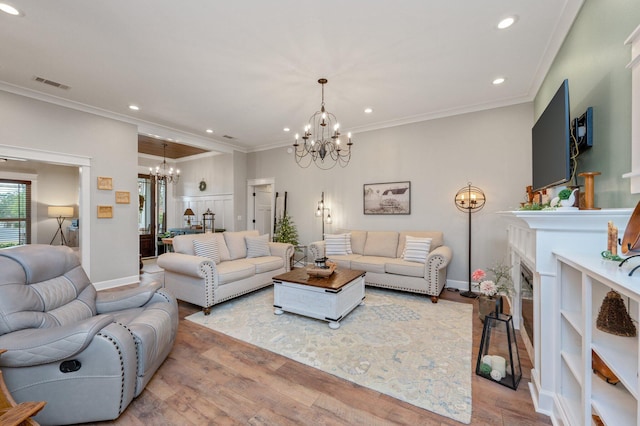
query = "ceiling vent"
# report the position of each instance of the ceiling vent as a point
(51, 83)
(228, 137)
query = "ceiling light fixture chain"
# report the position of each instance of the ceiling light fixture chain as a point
(321, 142)
(163, 172)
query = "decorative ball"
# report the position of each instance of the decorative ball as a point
(485, 369)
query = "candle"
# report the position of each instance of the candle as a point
(499, 364)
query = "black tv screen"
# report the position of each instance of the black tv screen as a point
(551, 142)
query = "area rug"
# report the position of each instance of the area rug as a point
(399, 344)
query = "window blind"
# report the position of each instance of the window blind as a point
(15, 212)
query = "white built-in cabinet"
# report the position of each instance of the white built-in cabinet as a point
(561, 303)
(583, 283)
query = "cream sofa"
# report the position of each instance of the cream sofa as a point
(380, 254)
(207, 281)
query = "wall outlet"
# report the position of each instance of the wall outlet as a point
(239, 218)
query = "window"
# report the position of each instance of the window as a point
(15, 212)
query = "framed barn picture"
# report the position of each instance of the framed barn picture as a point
(387, 198)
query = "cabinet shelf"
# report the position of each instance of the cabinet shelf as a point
(584, 282)
(573, 318)
(574, 363)
(621, 356)
(614, 404)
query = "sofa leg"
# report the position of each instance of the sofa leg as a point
(206, 311)
(434, 299)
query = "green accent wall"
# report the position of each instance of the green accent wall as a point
(593, 58)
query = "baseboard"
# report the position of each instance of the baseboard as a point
(103, 285)
(461, 285)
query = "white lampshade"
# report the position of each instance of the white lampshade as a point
(60, 211)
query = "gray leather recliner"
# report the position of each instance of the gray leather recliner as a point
(87, 354)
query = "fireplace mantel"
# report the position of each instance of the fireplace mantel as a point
(533, 238)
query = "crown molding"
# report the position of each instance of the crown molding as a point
(144, 127)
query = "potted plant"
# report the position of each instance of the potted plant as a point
(286, 232)
(565, 199)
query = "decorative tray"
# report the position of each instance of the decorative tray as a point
(322, 272)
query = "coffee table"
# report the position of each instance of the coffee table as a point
(328, 299)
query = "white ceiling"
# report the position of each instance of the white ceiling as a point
(249, 68)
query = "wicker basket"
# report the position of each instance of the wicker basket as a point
(614, 318)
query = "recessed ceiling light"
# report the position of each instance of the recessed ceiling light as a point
(507, 22)
(10, 10)
(286, 129)
(209, 130)
(498, 81)
(368, 110)
(134, 107)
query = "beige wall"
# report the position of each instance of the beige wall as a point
(492, 149)
(111, 146)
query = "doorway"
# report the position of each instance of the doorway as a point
(152, 215)
(261, 206)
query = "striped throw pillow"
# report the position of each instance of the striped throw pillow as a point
(416, 249)
(207, 248)
(258, 246)
(337, 244)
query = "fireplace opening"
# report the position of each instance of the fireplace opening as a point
(526, 303)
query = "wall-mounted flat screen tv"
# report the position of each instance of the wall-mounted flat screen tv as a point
(551, 141)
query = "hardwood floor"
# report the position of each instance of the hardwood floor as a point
(212, 379)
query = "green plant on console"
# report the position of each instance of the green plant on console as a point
(286, 231)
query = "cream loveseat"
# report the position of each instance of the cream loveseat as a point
(422, 269)
(207, 269)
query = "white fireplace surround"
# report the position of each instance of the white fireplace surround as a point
(533, 237)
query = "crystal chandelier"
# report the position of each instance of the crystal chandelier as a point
(321, 142)
(164, 173)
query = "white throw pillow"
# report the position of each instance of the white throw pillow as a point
(416, 249)
(258, 246)
(337, 244)
(207, 248)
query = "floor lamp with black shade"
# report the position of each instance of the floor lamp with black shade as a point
(470, 199)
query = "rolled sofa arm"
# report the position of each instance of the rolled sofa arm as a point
(35, 346)
(316, 250)
(185, 264)
(440, 257)
(436, 270)
(283, 250)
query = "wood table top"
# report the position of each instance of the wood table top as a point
(338, 279)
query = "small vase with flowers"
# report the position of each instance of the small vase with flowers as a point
(491, 291)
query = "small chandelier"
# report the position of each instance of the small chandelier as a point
(321, 140)
(164, 173)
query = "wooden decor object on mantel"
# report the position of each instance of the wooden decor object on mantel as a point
(588, 190)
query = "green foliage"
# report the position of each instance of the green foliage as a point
(564, 194)
(286, 231)
(534, 206)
